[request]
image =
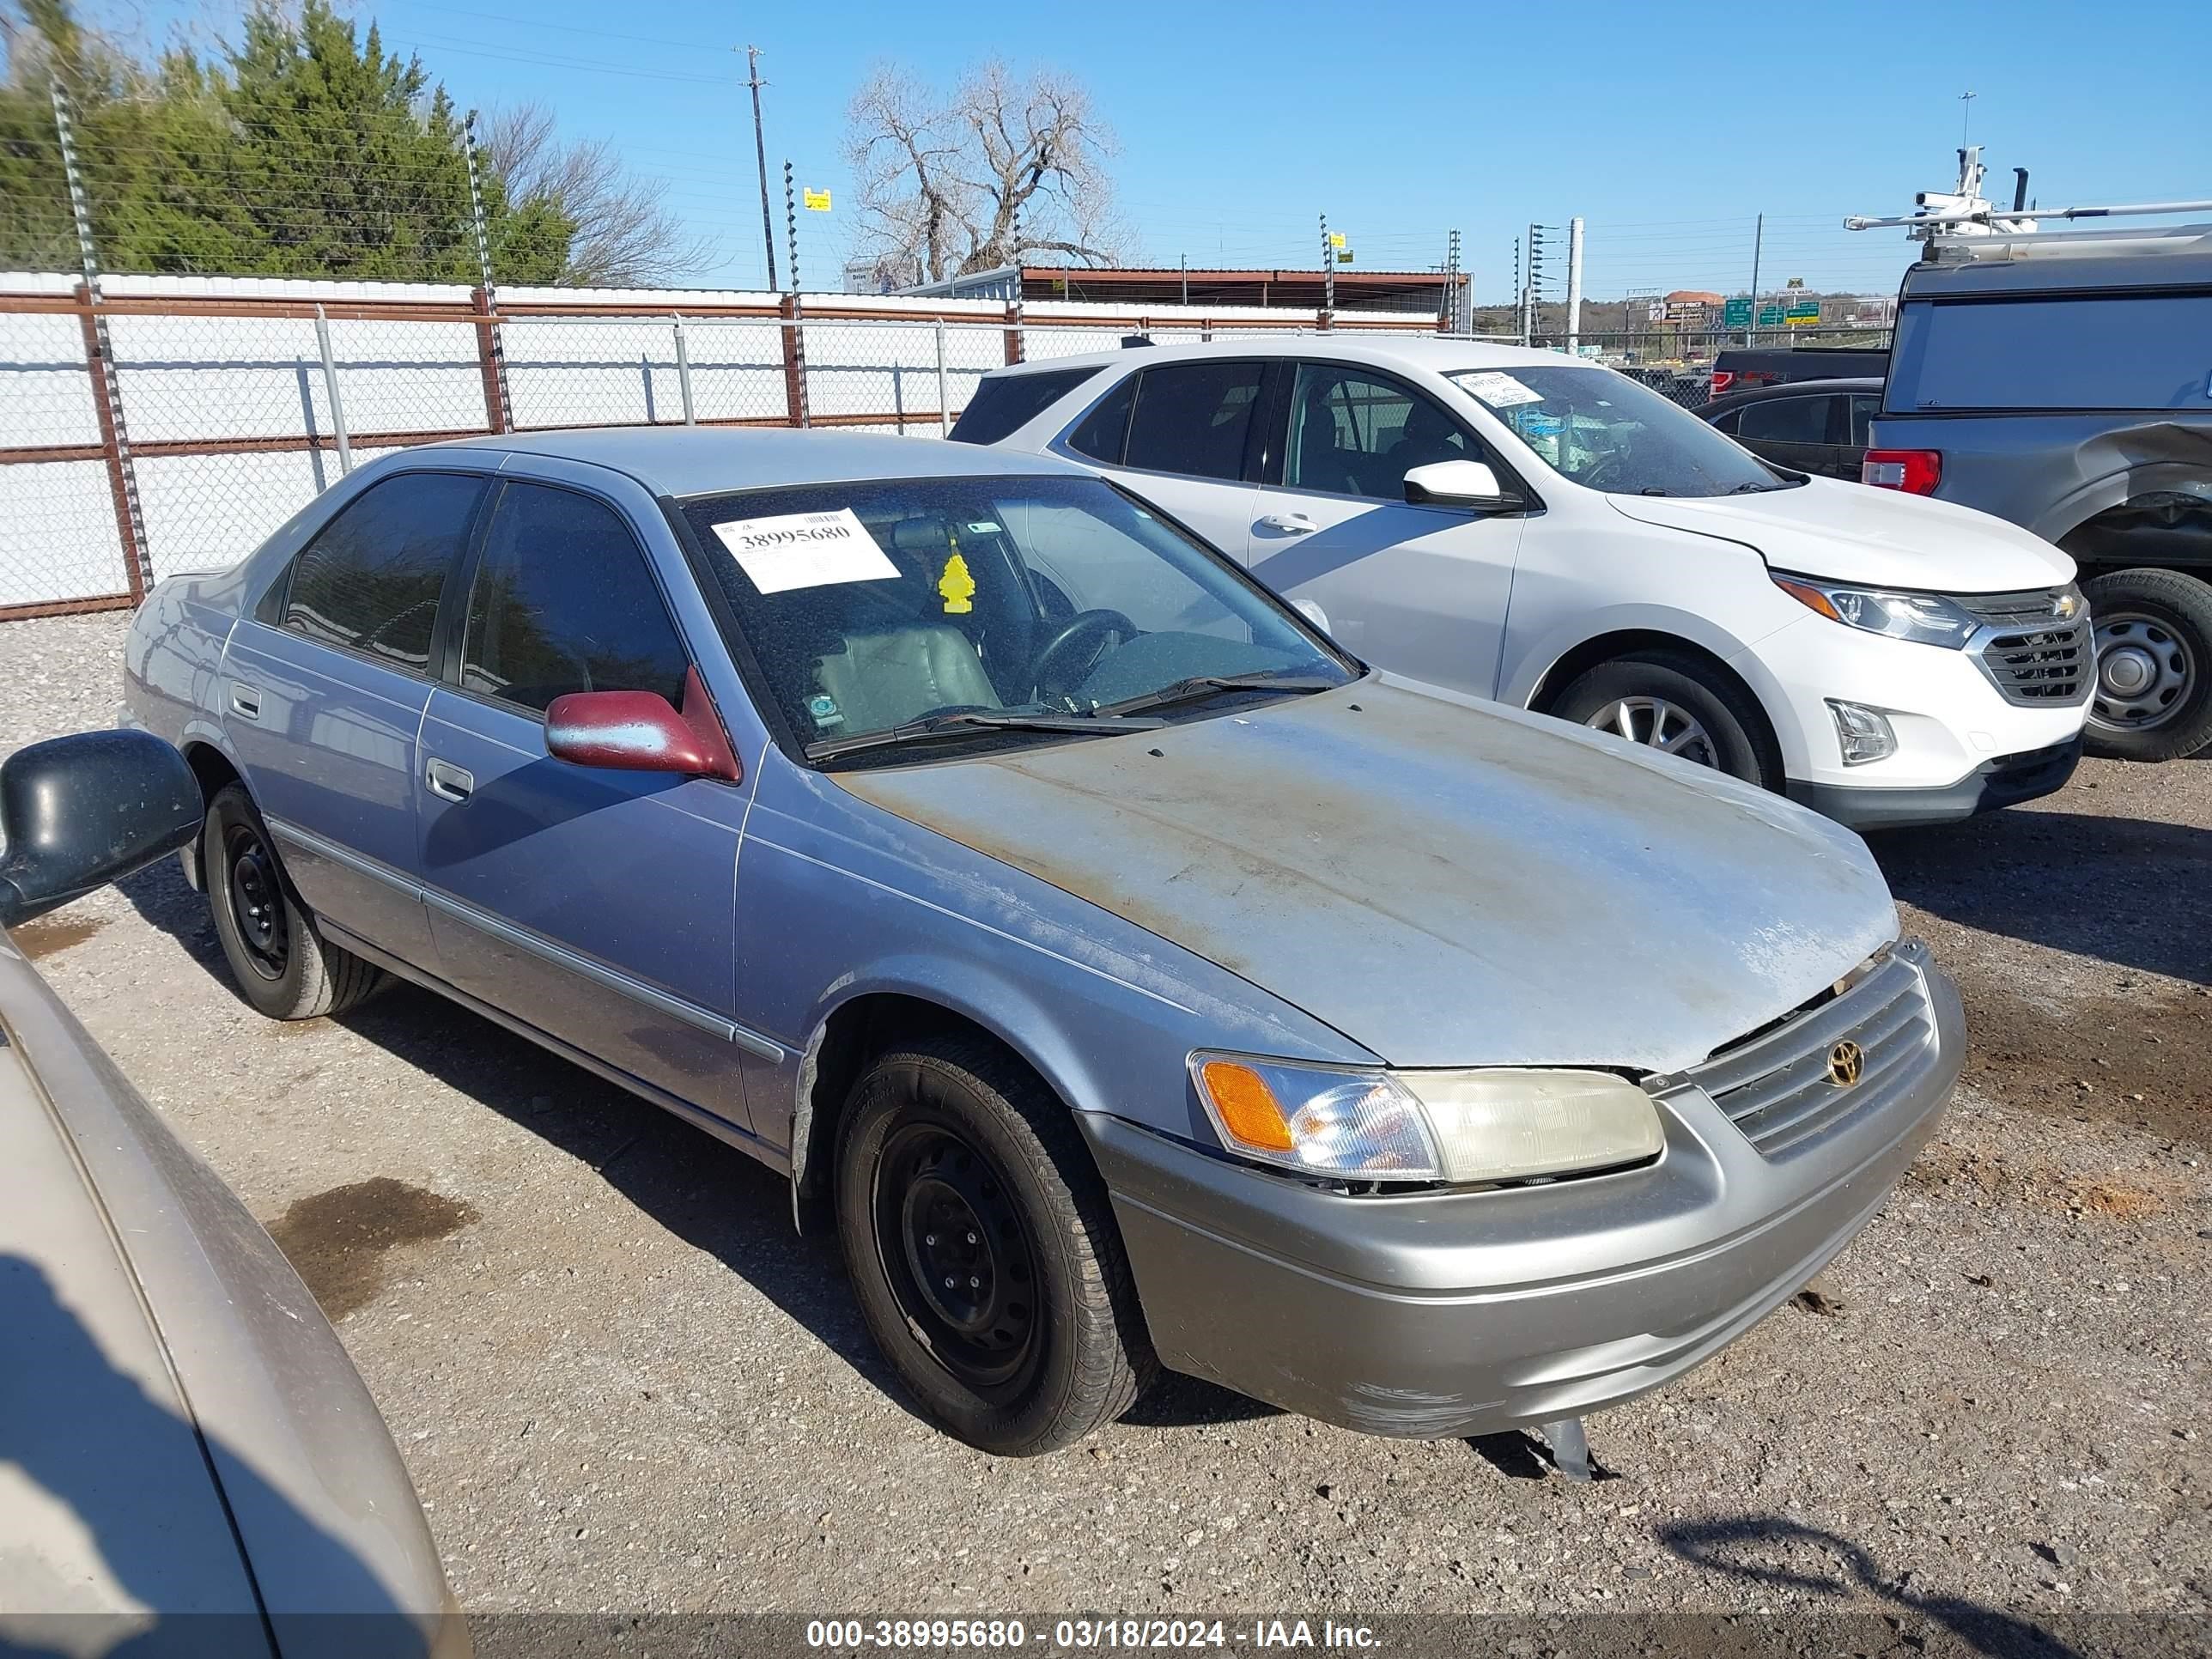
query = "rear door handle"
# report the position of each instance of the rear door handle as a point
(246, 699)
(1291, 523)
(448, 780)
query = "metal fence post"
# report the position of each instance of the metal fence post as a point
(498, 408)
(794, 362)
(100, 357)
(944, 397)
(330, 392)
(683, 373)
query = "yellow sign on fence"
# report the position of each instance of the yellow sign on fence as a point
(818, 201)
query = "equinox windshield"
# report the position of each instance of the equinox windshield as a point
(1025, 604)
(1604, 431)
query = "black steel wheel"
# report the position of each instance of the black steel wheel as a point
(279, 963)
(956, 1256)
(982, 1248)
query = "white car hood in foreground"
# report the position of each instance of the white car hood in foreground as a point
(1446, 882)
(1851, 532)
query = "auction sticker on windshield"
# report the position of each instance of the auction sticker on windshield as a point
(804, 549)
(1499, 391)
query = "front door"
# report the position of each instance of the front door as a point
(1422, 590)
(597, 905)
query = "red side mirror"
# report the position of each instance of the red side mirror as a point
(640, 731)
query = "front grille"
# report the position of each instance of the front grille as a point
(1776, 1086)
(2033, 659)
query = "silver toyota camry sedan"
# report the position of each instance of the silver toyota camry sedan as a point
(1129, 976)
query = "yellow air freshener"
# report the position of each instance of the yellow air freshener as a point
(958, 586)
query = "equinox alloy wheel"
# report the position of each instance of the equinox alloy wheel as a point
(1679, 703)
(1658, 724)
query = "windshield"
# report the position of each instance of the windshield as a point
(876, 607)
(1604, 431)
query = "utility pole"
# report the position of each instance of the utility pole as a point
(1758, 247)
(1574, 285)
(760, 160)
(1186, 279)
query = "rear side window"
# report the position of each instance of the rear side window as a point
(1009, 402)
(370, 581)
(563, 602)
(1193, 418)
(1786, 419)
(1102, 434)
(2147, 351)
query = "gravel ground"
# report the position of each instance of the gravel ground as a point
(622, 1383)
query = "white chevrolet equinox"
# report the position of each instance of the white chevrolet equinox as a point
(1521, 526)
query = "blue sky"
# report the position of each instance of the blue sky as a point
(1667, 128)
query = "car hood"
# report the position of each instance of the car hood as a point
(1851, 532)
(1445, 881)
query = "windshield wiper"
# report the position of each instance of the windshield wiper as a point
(966, 723)
(1755, 488)
(1205, 685)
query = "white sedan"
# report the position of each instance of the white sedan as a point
(1548, 532)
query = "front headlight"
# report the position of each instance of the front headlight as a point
(1923, 618)
(1497, 1124)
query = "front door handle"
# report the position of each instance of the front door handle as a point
(448, 780)
(246, 699)
(1291, 523)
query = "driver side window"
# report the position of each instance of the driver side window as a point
(1355, 434)
(563, 602)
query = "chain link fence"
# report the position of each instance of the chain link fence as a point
(227, 404)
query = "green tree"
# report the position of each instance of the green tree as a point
(306, 150)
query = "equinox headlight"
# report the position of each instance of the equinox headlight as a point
(1369, 1124)
(1923, 618)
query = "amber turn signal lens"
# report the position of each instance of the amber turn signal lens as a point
(1247, 1106)
(1808, 596)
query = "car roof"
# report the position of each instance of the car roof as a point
(1796, 389)
(681, 460)
(2146, 272)
(1439, 355)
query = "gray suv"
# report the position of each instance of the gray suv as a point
(2071, 392)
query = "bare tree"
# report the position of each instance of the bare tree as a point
(624, 237)
(1004, 169)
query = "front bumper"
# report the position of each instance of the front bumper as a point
(1451, 1314)
(1950, 720)
(2005, 781)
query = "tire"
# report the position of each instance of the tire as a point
(2154, 627)
(279, 963)
(940, 1134)
(1735, 738)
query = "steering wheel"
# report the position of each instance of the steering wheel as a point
(1603, 467)
(1075, 649)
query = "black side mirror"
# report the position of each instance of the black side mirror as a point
(76, 813)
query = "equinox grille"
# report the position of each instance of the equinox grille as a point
(2033, 659)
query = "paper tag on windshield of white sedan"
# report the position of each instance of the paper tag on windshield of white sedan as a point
(804, 549)
(1498, 391)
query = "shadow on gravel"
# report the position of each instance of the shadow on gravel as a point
(1784, 1554)
(2129, 891)
(711, 1195)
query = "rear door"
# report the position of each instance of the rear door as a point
(1419, 589)
(1183, 435)
(323, 693)
(596, 905)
